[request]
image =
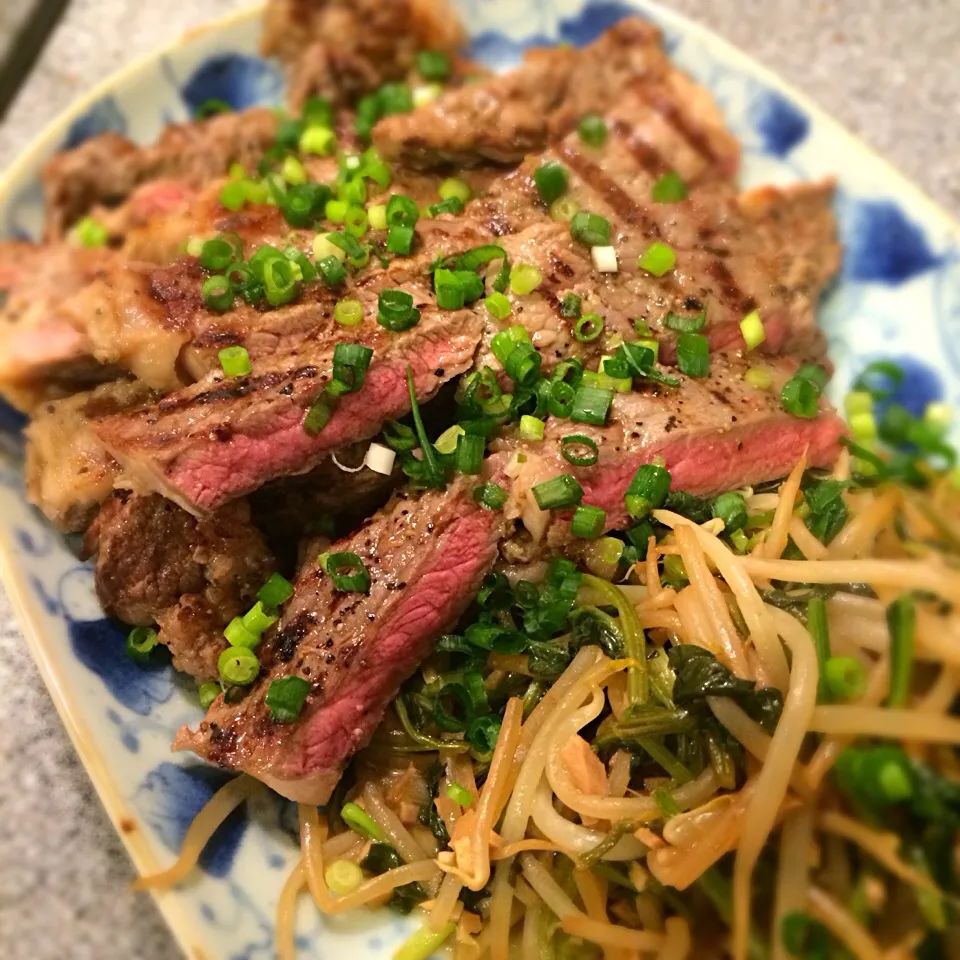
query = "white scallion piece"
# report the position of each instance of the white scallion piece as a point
(346, 469)
(380, 459)
(604, 259)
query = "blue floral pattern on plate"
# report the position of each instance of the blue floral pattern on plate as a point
(899, 297)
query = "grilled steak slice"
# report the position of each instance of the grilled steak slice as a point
(341, 49)
(107, 169)
(508, 117)
(155, 563)
(714, 434)
(68, 472)
(220, 438)
(426, 558)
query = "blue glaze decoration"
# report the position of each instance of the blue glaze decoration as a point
(779, 123)
(883, 245)
(104, 116)
(100, 646)
(11, 420)
(239, 80)
(171, 796)
(592, 21)
(498, 52)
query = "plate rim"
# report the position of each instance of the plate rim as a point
(26, 608)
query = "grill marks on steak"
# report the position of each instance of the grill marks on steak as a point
(155, 563)
(341, 49)
(508, 117)
(426, 557)
(107, 169)
(221, 438)
(714, 434)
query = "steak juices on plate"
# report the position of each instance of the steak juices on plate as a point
(162, 441)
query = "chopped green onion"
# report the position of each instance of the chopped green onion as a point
(141, 642)
(590, 229)
(211, 107)
(880, 379)
(336, 211)
(682, 324)
(285, 698)
(588, 328)
(658, 259)
(759, 378)
(571, 307)
(355, 221)
(452, 187)
(348, 573)
(446, 443)
(648, 489)
(238, 665)
(572, 443)
(448, 289)
(217, 293)
(560, 401)
(505, 341)
(235, 361)
(395, 98)
(208, 692)
(551, 181)
(731, 508)
(450, 205)
(524, 278)
(592, 130)
(238, 635)
(491, 496)
(426, 93)
(422, 944)
(279, 282)
(399, 437)
(400, 239)
(693, 354)
(395, 310)
(377, 216)
(498, 306)
(845, 678)
(218, 253)
(350, 364)
(469, 454)
(317, 140)
(820, 632)
(591, 405)
(814, 373)
(91, 233)
(431, 471)
(292, 170)
(276, 591)
(901, 621)
(358, 820)
(318, 111)
(471, 284)
(800, 397)
(588, 522)
(348, 313)
(559, 493)
(333, 272)
(863, 426)
(669, 189)
(323, 247)
(751, 326)
(531, 428)
(433, 65)
(459, 795)
(858, 401)
(564, 209)
(402, 211)
(343, 877)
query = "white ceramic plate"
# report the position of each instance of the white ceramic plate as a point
(898, 297)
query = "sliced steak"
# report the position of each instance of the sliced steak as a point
(108, 169)
(508, 117)
(713, 434)
(426, 558)
(155, 563)
(68, 471)
(341, 49)
(221, 438)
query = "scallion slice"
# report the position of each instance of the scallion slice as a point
(571, 306)
(731, 508)
(491, 496)
(693, 354)
(333, 272)
(588, 522)
(395, 310)
(276, 591)
(551, 181)
(348, 313)
(498, 306)
(579, 449)
(285, 698)
(219, 252)
(235, 361)
(238, 666)
(454, 187)
(588, 328)
(800, 397)
(217, 293)
(399, 437)
(559, 493)
(648, 489)
(845, 678)
(592, 130)
(591, 405)
(658, 259)
(523, 364)
(751, 326)
(524, 278)
(358, 820)
(433, 65)
(670, 188)
(141, 642)
(469, 454)
(684, 324)
(348, 572)
(561, 397)
(590, 229)
(448, 289)
(901, 622)
(350, 363)
(400, 239)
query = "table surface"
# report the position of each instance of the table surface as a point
(885, 69)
